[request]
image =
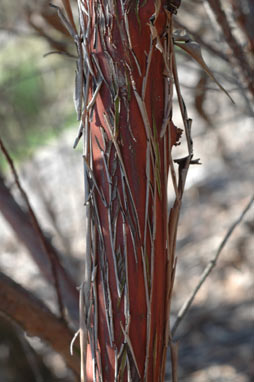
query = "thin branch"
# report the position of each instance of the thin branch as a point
(60, 53)
(68, 10)
(37, 227)
(186, 306)
(238, 55)
(197, 37)
(20, 222)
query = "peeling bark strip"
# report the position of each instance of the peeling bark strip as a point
(127, 70)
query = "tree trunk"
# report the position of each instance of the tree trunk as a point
(126, 55)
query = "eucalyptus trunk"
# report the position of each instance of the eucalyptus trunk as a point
(126, 57)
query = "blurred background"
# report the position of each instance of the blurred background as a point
(38, 125)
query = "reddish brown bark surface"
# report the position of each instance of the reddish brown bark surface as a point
(129, 51)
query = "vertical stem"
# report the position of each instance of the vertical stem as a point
(127, 48)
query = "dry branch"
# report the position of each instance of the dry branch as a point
(238, 54)
(36, 319)
(198, 37)
(58, 275)
(186, 306)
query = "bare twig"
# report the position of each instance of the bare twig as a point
(186, 306)
(198, 37)
(59, 52)
(238, 55)
(37, 227)
(68, 10)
